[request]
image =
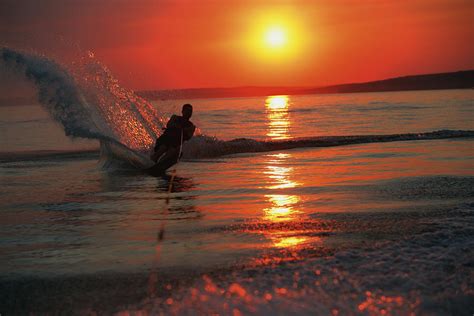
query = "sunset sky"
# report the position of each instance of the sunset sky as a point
(221, 43)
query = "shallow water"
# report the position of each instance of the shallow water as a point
(342, 207)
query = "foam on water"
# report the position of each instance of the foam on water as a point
(206, 147)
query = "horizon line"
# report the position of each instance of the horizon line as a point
(302, 87)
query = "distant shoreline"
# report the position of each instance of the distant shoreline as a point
(438, 81)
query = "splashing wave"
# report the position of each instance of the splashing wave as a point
(88, 101)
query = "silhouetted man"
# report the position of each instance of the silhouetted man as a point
(178, 130)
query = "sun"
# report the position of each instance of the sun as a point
(275, 37)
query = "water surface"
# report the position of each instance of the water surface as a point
(63, 216)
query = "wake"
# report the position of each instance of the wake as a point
(199, 147)
(206, 147)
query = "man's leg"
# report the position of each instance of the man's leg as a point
(157, 154)
(170, 152)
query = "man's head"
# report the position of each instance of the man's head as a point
(187, 111)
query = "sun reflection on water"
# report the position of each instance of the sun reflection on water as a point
(283, 206)
(279, 174)
(279, 177)
(278, 117)
(288, 242)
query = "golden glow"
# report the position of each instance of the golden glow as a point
(278, 157)
(279, 176)
(278, 117)
(289, 242)
(283, 200)
(275, 37)
(282, 207)
(277, 102)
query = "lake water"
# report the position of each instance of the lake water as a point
(365, 228)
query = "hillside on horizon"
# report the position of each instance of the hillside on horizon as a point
(438, 81)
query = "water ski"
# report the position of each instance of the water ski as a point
(167, 160)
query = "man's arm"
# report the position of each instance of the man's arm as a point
(188, 131)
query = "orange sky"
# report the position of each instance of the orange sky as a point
(188, 43)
